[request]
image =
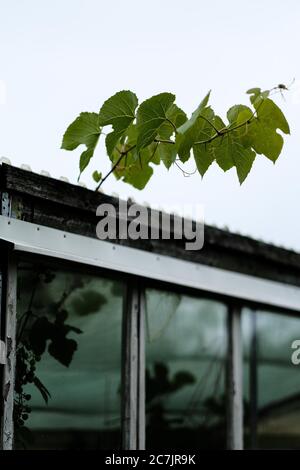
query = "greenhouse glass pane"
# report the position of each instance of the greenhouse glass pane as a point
(67, 393)
(277, 393)
(185, 375)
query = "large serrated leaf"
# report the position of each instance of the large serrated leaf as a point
(167, 154)
(262, 133)
(204, 157)
(134, 167)
(166, 151)
(137, 176)
(188, 124)
(84, 130)
(195, 129)
(177, 117)
(235, 112)
(85, 158)
(243, 160)
(264, 140)
(135, 170)
(151, 115)
(270, 115)
(231, 152)
(204, 153)
(200, 131)
(118, 111)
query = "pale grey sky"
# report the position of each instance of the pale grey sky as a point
(61, 57)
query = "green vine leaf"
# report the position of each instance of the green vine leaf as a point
(254, 91)
(196, 128)
(84, 130)
(167, 152)
(151, 115)
(261, 134)
(133, 171)
(118, 111)
(204, 157)
(97, 176)
(135, 167)
(200, 131)
(204, 154)
(238, 114)
(271, 116)
(232, 153)
(257, 95)
(85, 158)
(263, 131)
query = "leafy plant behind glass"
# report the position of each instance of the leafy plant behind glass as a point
(37, 334)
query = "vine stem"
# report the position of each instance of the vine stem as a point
(218, 131)
(186, 174)
(124, 154)
(172, 124)
(164, 141)
(115, 165)
(110, 172)
(25, 317)
(227, 130)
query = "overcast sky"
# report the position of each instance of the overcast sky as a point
(61, 57)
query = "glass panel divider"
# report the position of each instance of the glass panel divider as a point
(133, 394)
(253, 382)
(7, 427)
(234, 380)
(141, 425)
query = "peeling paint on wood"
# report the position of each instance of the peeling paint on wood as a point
(2, 353)
(6, 391)
(7, 426)
(141, 425)
(133, 407)
(235, 381)
(130, 368)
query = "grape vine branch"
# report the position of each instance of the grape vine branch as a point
(158, 131)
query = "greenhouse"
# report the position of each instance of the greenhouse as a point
(140, 344)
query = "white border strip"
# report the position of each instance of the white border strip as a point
(47, 241)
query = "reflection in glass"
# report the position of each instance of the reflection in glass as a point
(271, 381)
(67, 392)
(185, 375)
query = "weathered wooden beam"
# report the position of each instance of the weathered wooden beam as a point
(235, 380)
(130, 368)
(50, 191)
(7, 425)
(133, 396)
(253, 383)
(54, 203)
(141, 424)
